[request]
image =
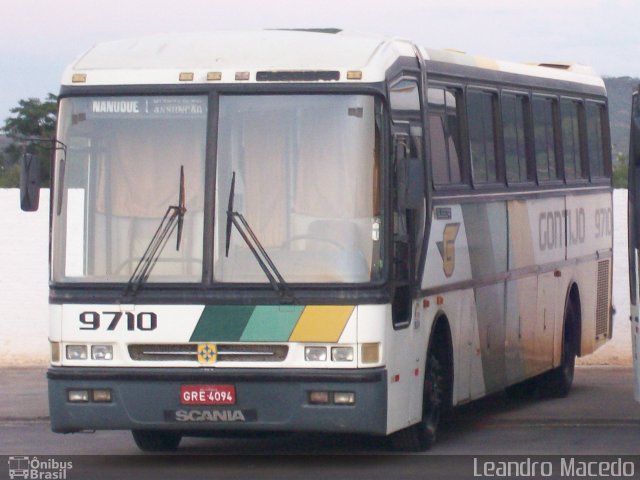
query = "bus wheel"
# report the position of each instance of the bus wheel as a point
(156, 441)
(557, 383)
(422, 436)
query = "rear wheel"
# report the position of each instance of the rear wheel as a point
(422, 436)
(156, 441)
(523, 390)
(557, 383)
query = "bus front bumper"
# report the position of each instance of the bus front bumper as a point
(265, 400)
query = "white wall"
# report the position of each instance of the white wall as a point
(24, 239)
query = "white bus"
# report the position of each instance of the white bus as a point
(634, 234)
(319, 231)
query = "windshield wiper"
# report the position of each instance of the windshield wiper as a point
(173, 217)
(262, 257)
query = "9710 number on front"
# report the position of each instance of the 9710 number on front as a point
(145, 321)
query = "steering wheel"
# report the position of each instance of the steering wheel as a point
(330, 241)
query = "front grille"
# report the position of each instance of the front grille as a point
(225, 352)
(162, 353)
(252, 353)
(602, 301)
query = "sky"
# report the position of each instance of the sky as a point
(38, 38)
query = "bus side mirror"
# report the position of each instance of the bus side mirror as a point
(410, 186)
(29, 182)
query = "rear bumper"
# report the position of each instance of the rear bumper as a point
(267, 400)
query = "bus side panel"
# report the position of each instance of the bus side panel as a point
(448, 262)
(522, 297)
(589, 232)
(520, 347)
(405, 353)
(460, 309)
(487, 237)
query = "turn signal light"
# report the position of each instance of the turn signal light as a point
(370, 352)
(318, 397)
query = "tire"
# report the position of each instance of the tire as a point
(557, 383)
(156, 440)
(524, 390)
(422, 436)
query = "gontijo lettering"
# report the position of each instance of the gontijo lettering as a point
(551, 228)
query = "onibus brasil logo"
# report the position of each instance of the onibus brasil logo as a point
(38, 469)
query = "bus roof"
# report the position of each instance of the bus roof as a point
(221, 56)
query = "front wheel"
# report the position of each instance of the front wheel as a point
(156, 441)
(422, 436)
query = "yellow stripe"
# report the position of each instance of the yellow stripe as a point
(321, 323)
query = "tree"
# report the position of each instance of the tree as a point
(620, 171)
(33, 118)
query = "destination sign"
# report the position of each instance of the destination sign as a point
(147, 106)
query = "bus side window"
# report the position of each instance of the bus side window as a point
(481, 111)
(570, 124)
(444, 136)
(544, 136)
(594, 139)
(515, 139)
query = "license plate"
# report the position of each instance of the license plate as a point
(208, 395)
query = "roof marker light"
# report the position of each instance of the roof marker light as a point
(214, 76)
(242, 76)
(79, 78)
(186, 76)
(354, 75)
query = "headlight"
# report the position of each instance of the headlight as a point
(78, 396)
(102, 352)
(76, 352)
(344, 398)
(315, 354)
(342, 354)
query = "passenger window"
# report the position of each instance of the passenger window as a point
(481, 114)
(594, 139)
(444, 137)
(569, 116)
(515, 147)
(544, 138)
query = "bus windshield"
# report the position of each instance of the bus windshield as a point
(114, 184)
(306, 169)
(307, 183)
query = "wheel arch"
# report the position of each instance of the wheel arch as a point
(441, 342)
(573, 299)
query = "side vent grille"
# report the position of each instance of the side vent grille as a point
(602, 303)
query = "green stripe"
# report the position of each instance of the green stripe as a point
(222, 323)
(271, 323)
